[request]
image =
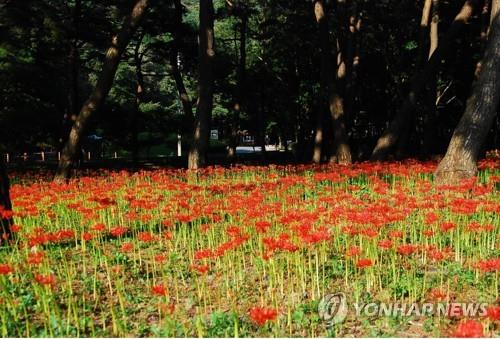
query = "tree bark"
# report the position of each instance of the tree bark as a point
(424, 28)
(338, 100)
(405, 113)
(329, 91)
(187, 107)
(460, 161)
(321, 20)
(495, 8)
(74, 64)
(201, 135)
(5, 204)
(101, 90)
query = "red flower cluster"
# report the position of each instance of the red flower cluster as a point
(159, 290)
(363, 263)
(5, 269)
(282, 243)
(260, 315)
(489, 265)
(469, 329)
(47, 279)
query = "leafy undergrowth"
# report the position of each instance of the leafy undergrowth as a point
(249, 251)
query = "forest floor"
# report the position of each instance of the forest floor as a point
(252, 251)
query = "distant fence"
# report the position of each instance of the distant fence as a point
(51, 156)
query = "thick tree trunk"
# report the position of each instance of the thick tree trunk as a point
(74, 64)
(430, 130)
(424, 28)
(404, 115)
(240, 86)
(460, 161)
(326, 77)
(335, 100)
(98, 95)
(353, 58)
(5, 204)
(201, 135)
(495, 8)
(187, 107)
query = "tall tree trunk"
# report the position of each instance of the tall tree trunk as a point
(460, 161)
(353, 58)
(341, 151)
(187, 107)
(5, 204)
(329, 91)
(74, 64)
(430, 130)
(201, 135)
(424, 28)
(139, 95)
(405, 113)
(240, 86)
(101, 90)
(326, 77)
(495, 8)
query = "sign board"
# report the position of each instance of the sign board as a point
(214, 134)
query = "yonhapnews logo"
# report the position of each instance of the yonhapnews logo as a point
(334, 308)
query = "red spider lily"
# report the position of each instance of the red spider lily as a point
(493, 313)
(489, 265)
(159, 290)
(87, 236)
(428, 233)
(233, 231)
(167, 223)
(98, 227)
(407, 249)
(469, 329)
(431, 218)
(118, 231)
(168, 235)
(395, 234)
(370, 232)
(262, 226)
(260, 315)
(447, 226)
(437, 294)
(281, 244)
(160, 258)
(145, 236)
(5, 269)
(203, 254)
(363, 263)
(35, 258)
(47, 280)
(385, 244)
(15, 228)
(436, 255)
(201, 269)
(353, 251)
(127, 247)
